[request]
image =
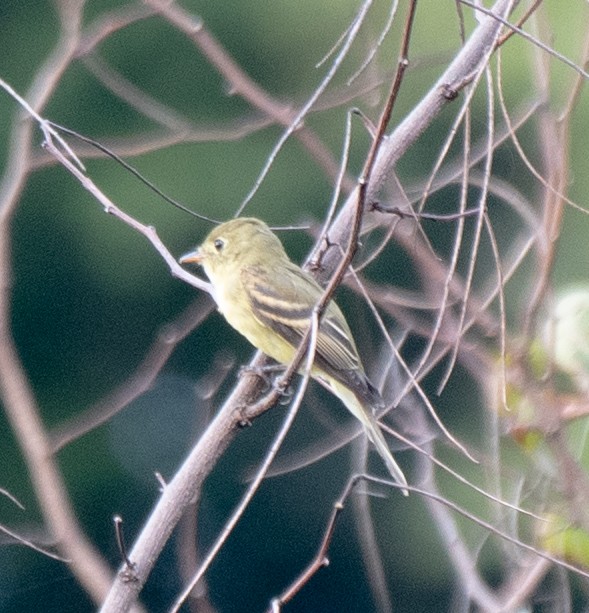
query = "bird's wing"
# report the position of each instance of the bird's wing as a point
(286, 308)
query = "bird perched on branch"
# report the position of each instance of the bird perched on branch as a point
(270, 300)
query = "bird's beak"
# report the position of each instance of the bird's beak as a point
(192, 257)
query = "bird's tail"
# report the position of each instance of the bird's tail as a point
(373, 431)
(377, 439)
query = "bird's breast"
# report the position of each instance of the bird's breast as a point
(234, 304)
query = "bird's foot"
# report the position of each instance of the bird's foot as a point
(262, 372)
(285, 391)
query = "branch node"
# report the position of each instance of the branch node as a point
(450, 93)
(128, 572)
(244, 421)
(197, 23)
(162, 482)
(169, 334)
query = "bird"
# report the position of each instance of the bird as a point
(269, 300)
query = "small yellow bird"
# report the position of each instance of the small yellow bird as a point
(269, 300)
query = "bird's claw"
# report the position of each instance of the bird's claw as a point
(262, 372)
(285, 391)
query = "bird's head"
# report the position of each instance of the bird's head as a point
(234, 244)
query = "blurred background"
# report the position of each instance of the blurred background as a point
(90, 296)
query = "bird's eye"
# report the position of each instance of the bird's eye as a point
(219, 244)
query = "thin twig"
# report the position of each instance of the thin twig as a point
(309, 350)
(242, 84)
(139, 382)
(320, 559)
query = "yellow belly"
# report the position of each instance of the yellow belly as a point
(238, 314)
